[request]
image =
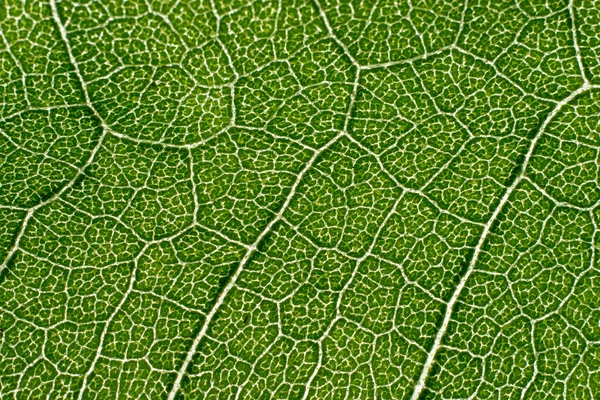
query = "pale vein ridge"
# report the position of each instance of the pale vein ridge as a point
(80, 171)
(338, 316)
(109, 321)
(333, 36)
(232, 281)
(575, 43)
(486, 229)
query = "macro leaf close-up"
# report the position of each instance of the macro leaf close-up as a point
(300, 199)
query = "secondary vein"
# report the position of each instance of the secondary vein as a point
(486, 229)
(252, 249)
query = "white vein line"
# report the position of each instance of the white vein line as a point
(20, 235)
(411, 60)
(18, 64)
(486, 229)
(575, 43)
(502, 75)
(461, 24)
(252, 248)
(31, 211)
(408, 189)
(81, 170)
(243, 262)
(559, 203)
(110, 319)
(338, 303)
(106, 128)
(333, 36)
(65, 39)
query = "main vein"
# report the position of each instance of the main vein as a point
(81, 170)
(252, 249)
(486, 230)
(243, 262)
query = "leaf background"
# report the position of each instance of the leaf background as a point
(299, 199)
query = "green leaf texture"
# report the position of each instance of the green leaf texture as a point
(299, 199)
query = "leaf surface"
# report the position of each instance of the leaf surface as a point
(299, 199)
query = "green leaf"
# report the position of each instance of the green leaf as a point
(300, 199)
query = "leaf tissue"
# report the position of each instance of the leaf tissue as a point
(300, 199)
